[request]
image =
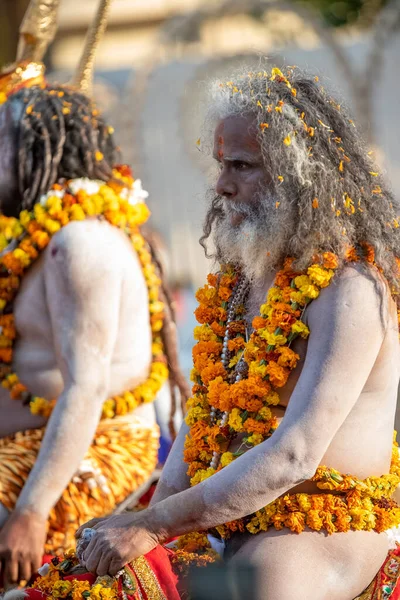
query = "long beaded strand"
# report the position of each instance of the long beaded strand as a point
(239, 295)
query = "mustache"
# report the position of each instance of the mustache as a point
(238, 208)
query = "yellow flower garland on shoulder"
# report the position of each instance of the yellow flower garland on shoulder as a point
(269, 360)
(120, 202)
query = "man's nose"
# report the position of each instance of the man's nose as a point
(226, 186)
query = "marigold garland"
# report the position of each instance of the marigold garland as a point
(120, 202)
(52, 584)
(269, 358)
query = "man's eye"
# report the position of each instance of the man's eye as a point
(240, 165)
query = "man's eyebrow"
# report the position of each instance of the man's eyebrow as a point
(238, 157)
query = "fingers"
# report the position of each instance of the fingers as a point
(92, 556)
(11, 572)
(115, 566)
(25, 570)
(104, 565)
(89, 525)
(36, 563)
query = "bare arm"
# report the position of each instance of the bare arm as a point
(173, 477)
(83, 285)
(346, 322)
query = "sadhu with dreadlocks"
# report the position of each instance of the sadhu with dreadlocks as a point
(87, 339)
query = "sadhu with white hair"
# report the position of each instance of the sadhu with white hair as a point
(286, 459)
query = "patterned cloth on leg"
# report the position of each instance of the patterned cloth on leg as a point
(386, 584)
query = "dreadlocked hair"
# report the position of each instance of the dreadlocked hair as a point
(319, 167)
(61, 135)
(169, 336)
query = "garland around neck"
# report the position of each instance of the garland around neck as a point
(237, 383)
(121, 203)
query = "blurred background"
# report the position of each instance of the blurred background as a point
(151, 71)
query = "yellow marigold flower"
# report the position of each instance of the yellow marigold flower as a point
(274, 295)
(24, 218)
(235, 420)
(234, 361)
(304, 502)
(265, 412)
(302, 281)
(310, 291)
(301, 329)
(257, 369)
(107, 593)
(77, 213)
(156, 348)
(54, 203)
(108, 409)
(99, 156)
(51, 225)
(3, 241)
(273, 339)
(204, 333)
(298, 297)
(272, 398)
(196, 414)
(78, 587)
(255, 438)
(22, 256)
(61, 589)
(226, 459)
(320, 276)
(201, 475)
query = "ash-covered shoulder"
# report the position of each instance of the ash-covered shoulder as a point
(91, 237)
(91, 248)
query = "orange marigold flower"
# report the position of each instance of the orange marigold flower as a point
(218, 329)
(6, 355)
(313, 520)
(224, 293)
(252, 426)
(204, 315)
(236, 344)
(211, 349)
(277, 375)
(200, 362)
(369, 252)
(237, 327)
(288, 358)
(227, 280)
(282, 279)
(351, 255)
(206, 296)
(295, 521)
(212, 372)
(219, 394)
(330, 260)
(212, 279)
(259, 323)
(254, 405)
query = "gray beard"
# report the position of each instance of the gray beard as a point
(258, 245)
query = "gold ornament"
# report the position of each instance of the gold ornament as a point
(83, 77)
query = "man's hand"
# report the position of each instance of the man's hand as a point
(117, 541)
(21, 546)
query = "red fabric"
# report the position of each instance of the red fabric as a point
(159, 561)
(386, 584)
